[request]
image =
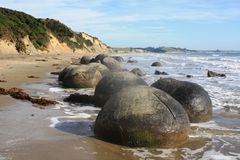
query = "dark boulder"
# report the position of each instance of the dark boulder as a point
(85, 59)
(156, 64)
(160, 73)
(189, 76)
(100, 57)
(214, 74)
(114, 82)
(137, 72)
(193, 98)
(142, 116)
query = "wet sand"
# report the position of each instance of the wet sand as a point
(24, 133)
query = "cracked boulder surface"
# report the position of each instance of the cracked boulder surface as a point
(194, 99)
(141, 116)
(113, 83)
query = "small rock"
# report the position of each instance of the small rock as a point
(156, 64)
(214, 74)
(189, 76)
(160, 73)
(132, 61)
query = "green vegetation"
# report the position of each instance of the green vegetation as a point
(14, 26)
(166, 49)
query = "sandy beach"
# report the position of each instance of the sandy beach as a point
(24, 127)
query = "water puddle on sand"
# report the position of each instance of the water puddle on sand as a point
(217, 139)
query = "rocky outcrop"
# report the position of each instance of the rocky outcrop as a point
(160, 73)
(214, 74)
(114, 82)
(142, 116)
(193, 98)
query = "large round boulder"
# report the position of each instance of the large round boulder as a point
(192, 96)
(114, 82)
(84, 76)
(142, 116)
(100, 57)
(85, 59)
(111, 64)
(65, 70)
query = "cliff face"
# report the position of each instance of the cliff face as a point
(24, 34)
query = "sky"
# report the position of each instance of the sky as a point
(192, 24)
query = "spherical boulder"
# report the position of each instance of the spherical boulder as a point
(111, 64)
(156, 64)
(137, 72)
(114, 82)
(100, 57)
(85, 59)
(192, 96)
(142, 116)
(64, 71)
(84, 76)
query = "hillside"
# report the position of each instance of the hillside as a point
(22, 33)
(166, 49)
(152, 50)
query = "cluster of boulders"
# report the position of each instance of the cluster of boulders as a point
(133, 113)
(89, 71)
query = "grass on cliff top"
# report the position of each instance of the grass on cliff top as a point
(16, 25)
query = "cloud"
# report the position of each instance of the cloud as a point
(122, 20)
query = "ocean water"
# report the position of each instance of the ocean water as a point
(216, 139)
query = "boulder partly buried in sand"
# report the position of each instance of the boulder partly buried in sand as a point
(114, 82)
(84, 76)
(142, 116)
(193, 98)
(156, 64)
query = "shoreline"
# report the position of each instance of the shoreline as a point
(26, 128)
